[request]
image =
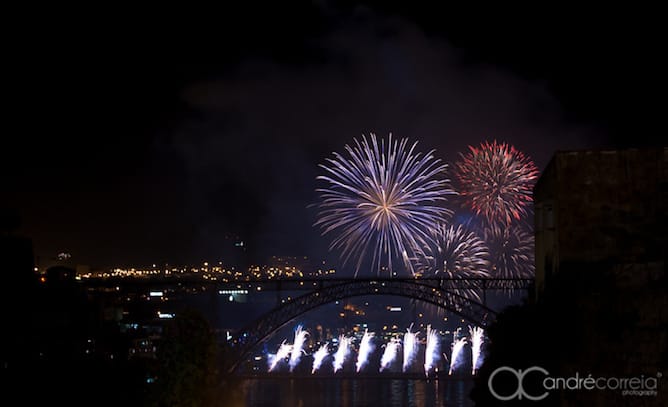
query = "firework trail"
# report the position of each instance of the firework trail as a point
(496, 181)
(318, 357)
(457, 346)
(410, 348)
(390, 353)
(511, 250)
(366, 347)
(341, 353)
(431, 355)
(298, 347)
(381, 201)
(453, 252)
(283, 352)
(477, 339)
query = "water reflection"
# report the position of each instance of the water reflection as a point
(352, 392)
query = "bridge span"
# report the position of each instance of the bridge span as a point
(464, 297)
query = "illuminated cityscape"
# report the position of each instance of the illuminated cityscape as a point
(335, 204)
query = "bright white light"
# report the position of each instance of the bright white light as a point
(410, 348)
(432, 353)
(477, 338)
(390, 353)
(155, 293)
(297, 348)
(457, 347)
(341, 353)
(283, 352)
(318, 357)
(366, 347)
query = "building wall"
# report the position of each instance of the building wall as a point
(601, 207)
(601, 236)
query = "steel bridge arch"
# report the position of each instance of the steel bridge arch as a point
(442, 293)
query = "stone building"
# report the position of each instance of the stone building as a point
(601, 238)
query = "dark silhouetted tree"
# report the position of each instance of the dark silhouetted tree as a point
(186, 372)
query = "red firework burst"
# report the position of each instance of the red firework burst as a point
(496, 181)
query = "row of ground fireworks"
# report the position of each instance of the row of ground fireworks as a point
(409, 348)
(385, 201)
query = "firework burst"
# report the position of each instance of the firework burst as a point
(511, 250)
(381, 201)
(453, 252)
(496, 181)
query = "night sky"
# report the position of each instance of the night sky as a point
(149, 140)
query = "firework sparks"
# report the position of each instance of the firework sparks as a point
(297, 347)
(366, 347)
(283, 352)
(318, 357)
(410, 348)
(341, 353)
(453, 252)
(457, 347)
(431, 354)
(511, 251)
(390, 353)
(477, 339)
(496, 181)
(382, 200)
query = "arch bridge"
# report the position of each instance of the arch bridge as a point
(464, 297)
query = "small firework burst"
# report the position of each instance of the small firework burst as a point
(496, 181)
(453, 252)
(511, 250)
(381, 201)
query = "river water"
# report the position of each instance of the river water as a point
(349, 392)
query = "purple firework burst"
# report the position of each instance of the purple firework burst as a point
(453, 252)
(511, 250)
(381, 200)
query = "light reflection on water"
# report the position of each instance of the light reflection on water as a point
(353, 392)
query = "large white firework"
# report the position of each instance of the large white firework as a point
(381, 201)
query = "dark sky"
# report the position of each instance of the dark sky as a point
(141, 140)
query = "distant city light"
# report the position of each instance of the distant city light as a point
(165, 315)
(395, 309)
(155, 294)
(222, 292)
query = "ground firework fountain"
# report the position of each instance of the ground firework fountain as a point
(410, 348)
(476, 344)
(457, 346)
(318, 357)
(291, 354)
(366, 348)
(341, 353)
(431, 355)
(298, 347)
(390, 353)
(283, 352)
